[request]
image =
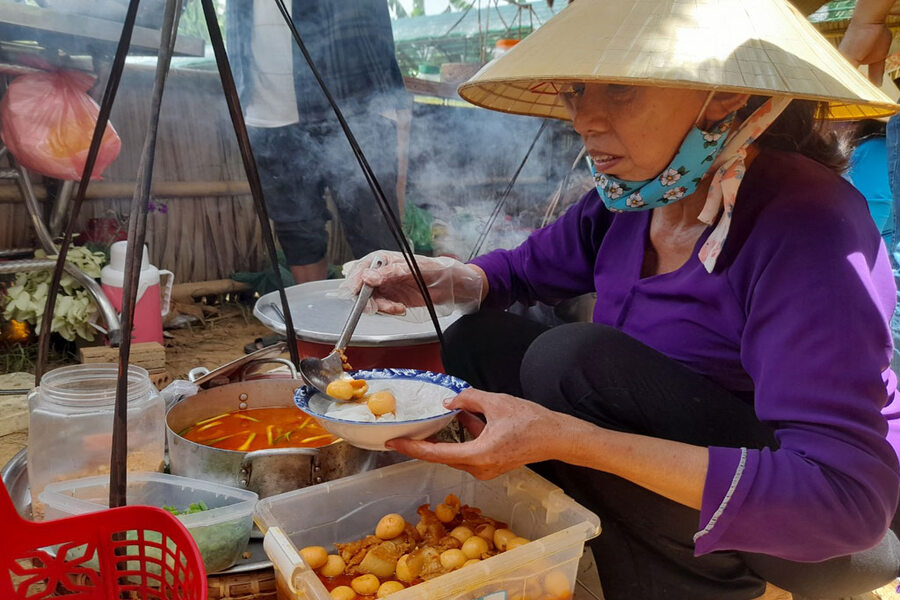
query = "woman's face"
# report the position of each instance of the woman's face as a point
(632, 132)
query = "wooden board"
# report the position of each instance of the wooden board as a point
(255, 585)
(14, 409)
(149, 355)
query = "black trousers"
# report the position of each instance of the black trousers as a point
(646, 548)
(297, 162)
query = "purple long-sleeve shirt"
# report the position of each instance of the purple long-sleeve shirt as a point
(797, 310)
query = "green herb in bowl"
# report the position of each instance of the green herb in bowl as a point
(193, 508)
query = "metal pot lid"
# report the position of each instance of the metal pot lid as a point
(319, 315)
(201, 375)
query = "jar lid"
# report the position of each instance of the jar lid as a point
(92, 384)
(117, 256)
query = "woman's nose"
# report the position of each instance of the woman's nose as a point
(589, 116)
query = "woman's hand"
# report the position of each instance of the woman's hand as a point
(516, 432)
(451, 284)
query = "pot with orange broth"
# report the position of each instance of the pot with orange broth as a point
(250, 435)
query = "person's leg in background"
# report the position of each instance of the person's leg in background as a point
(287, 161)
(364, 224)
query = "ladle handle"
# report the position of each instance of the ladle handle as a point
(364, 294)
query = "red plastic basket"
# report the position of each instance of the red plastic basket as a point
(133, 552)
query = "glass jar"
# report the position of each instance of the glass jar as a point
(70, 425)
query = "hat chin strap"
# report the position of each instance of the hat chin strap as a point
(729, 169)
(706, 102)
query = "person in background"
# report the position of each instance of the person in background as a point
(867, 40)
(299, 146)
(868, 172)
(729, 413)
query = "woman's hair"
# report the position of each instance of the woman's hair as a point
(802, 129)
(865, 129)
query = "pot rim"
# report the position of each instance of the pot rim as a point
(184, 439)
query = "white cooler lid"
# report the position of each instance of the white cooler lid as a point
(319, 315)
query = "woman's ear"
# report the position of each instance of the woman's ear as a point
(723, 104)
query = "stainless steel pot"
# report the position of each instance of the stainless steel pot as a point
(266, 472)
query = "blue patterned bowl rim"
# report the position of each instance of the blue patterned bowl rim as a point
(455, 384)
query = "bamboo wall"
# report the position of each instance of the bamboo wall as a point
(199, 237)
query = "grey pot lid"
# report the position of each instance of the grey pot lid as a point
(319, 315)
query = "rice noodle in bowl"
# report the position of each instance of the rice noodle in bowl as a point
(419, 413)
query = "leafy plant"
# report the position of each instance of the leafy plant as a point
(74, 311)
(193, 23)
(17, 358)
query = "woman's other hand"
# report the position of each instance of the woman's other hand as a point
(515, 432)
(451, 284)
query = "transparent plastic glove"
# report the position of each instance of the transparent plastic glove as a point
(452, 285)
(177, 391)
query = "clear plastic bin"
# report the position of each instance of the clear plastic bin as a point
(221, 533)
(349, 508)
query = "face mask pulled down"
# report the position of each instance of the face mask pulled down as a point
(678, 180)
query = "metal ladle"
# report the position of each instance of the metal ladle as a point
(319, 372)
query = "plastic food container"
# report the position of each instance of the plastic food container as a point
(70, 422)
(349, 508)
(221, 533)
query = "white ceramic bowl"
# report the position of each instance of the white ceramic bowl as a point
(417, 392)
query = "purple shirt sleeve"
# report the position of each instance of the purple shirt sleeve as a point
(817, 345)
(534, 270)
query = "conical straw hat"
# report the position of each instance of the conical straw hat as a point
(760, 47)
(890, 89)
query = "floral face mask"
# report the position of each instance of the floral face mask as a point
(678, 180)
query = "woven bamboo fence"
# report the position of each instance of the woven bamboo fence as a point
(204, 226)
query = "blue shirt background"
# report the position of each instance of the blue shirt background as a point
(869, 174)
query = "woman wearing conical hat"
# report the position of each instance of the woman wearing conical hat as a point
(729, 414)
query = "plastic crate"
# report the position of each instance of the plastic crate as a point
(349, 508)
(128, 552)
(221, 533)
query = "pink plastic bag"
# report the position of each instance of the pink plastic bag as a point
(47, 120)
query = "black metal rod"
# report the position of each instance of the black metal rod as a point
(137, 230)
(387, 211)
(503, 197)
(106, 103)
(243, 139)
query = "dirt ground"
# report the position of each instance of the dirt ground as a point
(211, 344)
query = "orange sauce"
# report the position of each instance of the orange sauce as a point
(259, 429)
